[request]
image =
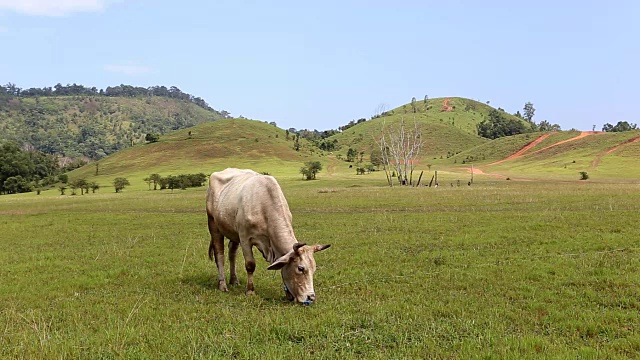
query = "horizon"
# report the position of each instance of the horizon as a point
(319, 67)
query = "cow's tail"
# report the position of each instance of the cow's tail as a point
(211, 250)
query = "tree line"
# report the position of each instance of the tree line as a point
(498, 124)
(171, 182)
(619, 127)
(12, 90)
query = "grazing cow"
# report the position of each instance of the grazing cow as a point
(250, 210)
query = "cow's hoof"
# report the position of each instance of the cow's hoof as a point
(222, 286)
(250, 292)
(234, 281)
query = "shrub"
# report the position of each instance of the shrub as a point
(584, 175)
(310, 169)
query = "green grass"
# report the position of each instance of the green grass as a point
(212, 146)
(554, 139)
(443, 132)
(566, 160)
(492, 150)
(497, 270)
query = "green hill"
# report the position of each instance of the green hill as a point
(94, 126)
(501, 148)
(214, 145)
(447, 130)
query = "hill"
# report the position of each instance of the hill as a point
(449, 126)
(601, 154)
(556, 155)
(211, 146)
(91, 124)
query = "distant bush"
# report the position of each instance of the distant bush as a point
(152, 137)
(182, 181)
(584, 175)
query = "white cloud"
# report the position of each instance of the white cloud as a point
(127, 69)
(53, 7)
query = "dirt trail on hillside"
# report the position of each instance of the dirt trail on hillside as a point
(582, 134)
(519, 153)
(599, 157)
(524, 149)
(445, 106)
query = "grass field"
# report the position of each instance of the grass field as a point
(500, 269)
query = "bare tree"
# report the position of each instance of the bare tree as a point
(400, 147)
(380, 109)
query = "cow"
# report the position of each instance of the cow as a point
(250, 209)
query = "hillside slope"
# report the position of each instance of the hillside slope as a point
(603, 155)
(449, 126)
(214, 145)
(94, 126)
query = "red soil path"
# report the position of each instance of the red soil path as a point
(520, 152)
(524, 149)
(596, 161)
(582, 134)
(445, 106)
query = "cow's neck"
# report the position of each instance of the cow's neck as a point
(281, 242)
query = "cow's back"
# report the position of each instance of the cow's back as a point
(241, 199)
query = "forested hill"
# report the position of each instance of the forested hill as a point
(77, 121)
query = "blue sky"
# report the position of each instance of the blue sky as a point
(320, 65)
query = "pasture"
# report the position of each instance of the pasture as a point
(501, 269)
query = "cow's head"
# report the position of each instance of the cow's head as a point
(298, 266)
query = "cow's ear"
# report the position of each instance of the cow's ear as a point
(317, 248)
(281, 261)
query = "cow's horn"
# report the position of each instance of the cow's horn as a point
(297, 246)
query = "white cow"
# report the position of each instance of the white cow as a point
(250, 210)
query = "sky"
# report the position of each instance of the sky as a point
(319, 65)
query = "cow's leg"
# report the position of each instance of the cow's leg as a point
(249, 265)
(217, 247)
(233, 251)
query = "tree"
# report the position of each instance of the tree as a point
(152, 137)
(529, 111)
(545, 126)
(14, 163)
(155, 178)
(62, 189)
(413, 104)
(400, 147)
(426, 98)
(376, 157)
(351, 155)
(497, 125)
(78, 184)
(619, 127)
(94, 186)
(296, 142)
(16, 184)
(310, 169)
(148, 181)
(119, 183)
